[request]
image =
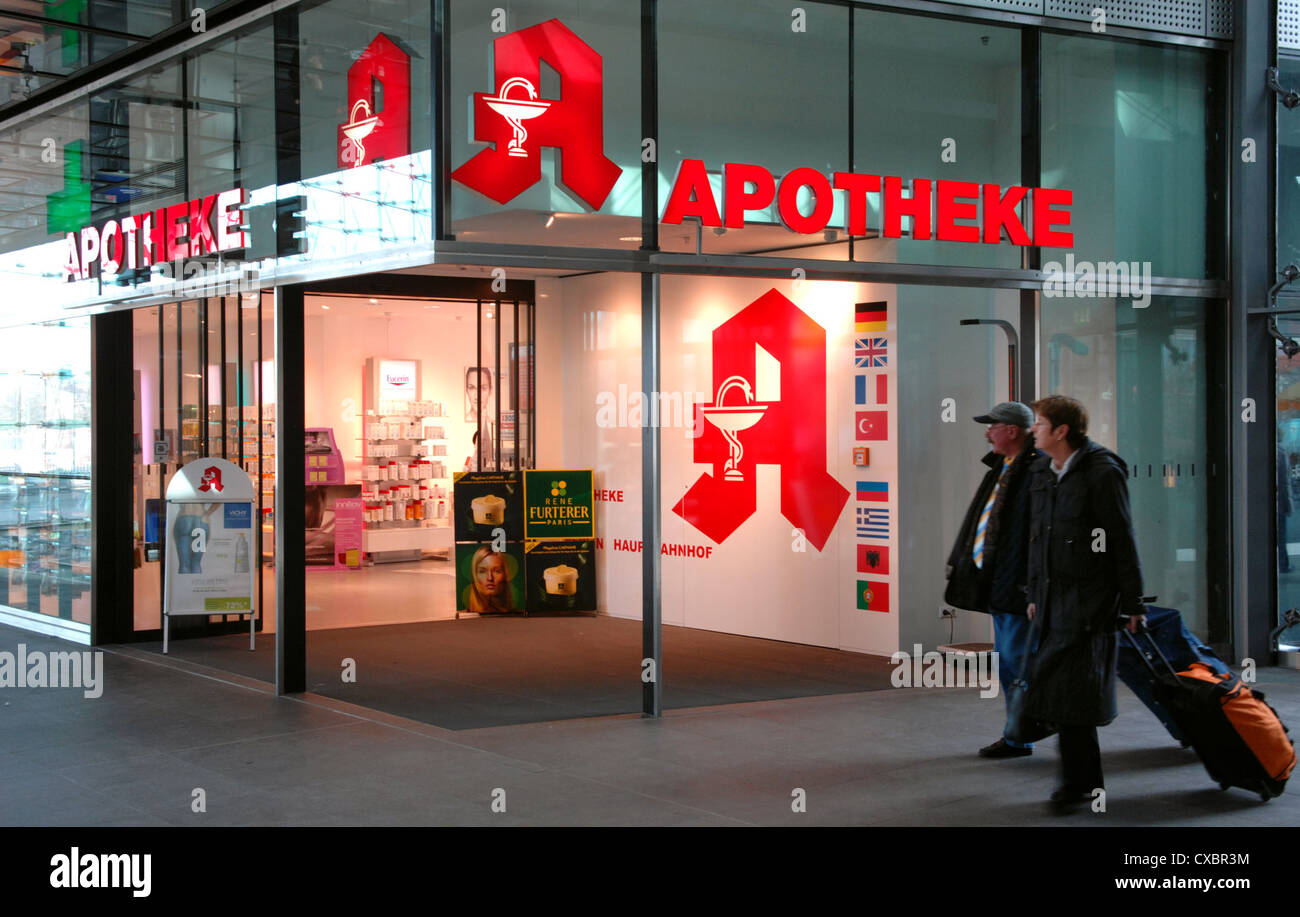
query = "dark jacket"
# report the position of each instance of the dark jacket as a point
(1000, 583)
(1083, 573)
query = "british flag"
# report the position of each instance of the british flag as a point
(870, 352)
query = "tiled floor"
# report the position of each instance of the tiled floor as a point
(164, 727)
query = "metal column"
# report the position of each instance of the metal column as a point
(290, 495)
(112, 595)
(651, 526)
(290, 451)
(1253, 592)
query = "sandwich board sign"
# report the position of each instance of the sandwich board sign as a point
(211, 543)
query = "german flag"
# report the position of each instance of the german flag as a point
(870, 316)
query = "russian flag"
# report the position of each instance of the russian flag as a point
(873, 491)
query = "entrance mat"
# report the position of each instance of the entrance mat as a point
(481, 672)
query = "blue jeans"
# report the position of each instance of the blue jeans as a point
(1010, 642)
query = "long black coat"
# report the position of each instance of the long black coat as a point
(1080, 585)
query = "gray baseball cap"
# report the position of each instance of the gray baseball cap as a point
(1012, 412)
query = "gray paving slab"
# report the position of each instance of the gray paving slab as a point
(888, 757)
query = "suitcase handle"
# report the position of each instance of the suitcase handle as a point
(1155, 648)
(1121, 620)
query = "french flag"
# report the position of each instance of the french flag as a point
(862, 384)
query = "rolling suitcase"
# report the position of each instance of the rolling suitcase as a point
(1238, 736)
(1180, 647)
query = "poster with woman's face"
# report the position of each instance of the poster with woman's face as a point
(478, 390)
(488, 582)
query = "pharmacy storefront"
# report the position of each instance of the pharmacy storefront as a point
(466, 295)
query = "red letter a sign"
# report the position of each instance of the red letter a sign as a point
(379, 106)
(519, 122)
(740, 433)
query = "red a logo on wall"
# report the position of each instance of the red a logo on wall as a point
(379, 106)
(519, 122)
(740, 433)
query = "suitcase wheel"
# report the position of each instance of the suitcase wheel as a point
(1264, 797)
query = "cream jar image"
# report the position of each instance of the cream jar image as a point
(488, 510)
(561, 580)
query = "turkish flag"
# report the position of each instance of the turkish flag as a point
(872, 425)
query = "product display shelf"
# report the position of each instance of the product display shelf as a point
(403, 539)
(263, 474)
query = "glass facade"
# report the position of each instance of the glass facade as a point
(343, 184)
(1144, 376)
(581, 196)
(1133, 129)
(67, 35)
(951, 110)
(45, 470)
(1287, 368)
(1288, 170)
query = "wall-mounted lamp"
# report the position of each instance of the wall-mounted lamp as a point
(1013, 343)
(1288, 97)
(1288, 345)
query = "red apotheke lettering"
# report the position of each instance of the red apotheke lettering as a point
(205, 225)
(938, 209)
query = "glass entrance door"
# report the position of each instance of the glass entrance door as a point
(205, 387)
(1145, 376)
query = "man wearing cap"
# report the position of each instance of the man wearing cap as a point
(987, 569)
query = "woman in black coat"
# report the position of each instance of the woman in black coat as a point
(1083, 574)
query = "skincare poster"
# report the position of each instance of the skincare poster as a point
(485, 501)
(558, 504)
(488, 582)
(561, 575)
(330, 535)
(209, 557)
(349, 513)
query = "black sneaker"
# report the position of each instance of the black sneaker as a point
(1000, 749)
